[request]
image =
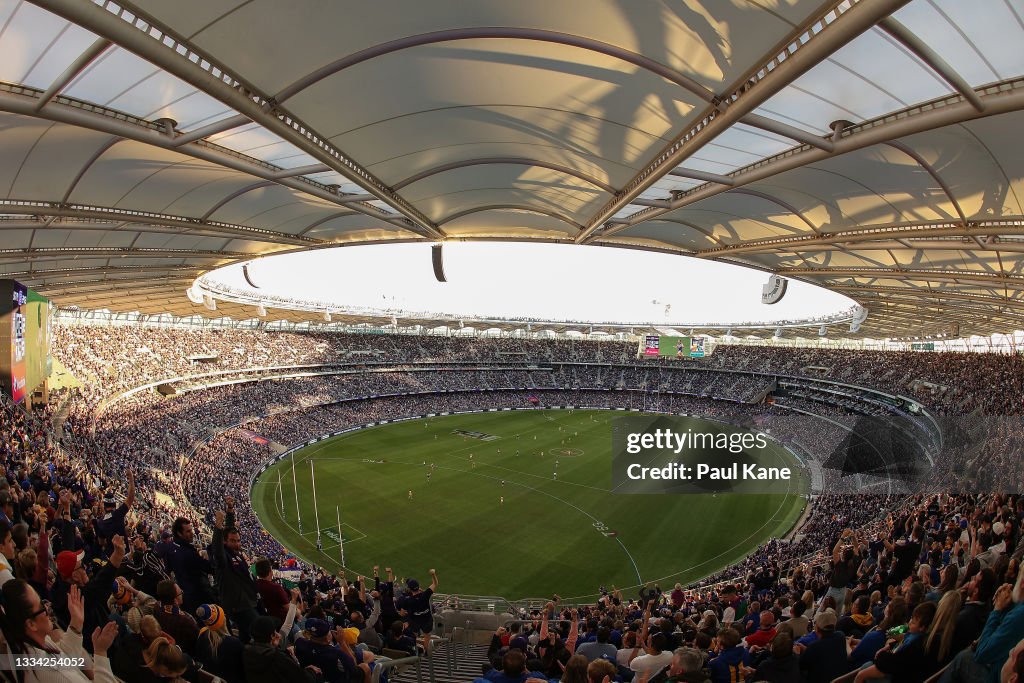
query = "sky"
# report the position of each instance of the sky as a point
(533, 280)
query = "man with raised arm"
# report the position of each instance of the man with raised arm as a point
(415, 605)
(234, 580)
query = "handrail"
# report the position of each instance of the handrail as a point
(391, 663)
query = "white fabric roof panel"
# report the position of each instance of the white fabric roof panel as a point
(569, 104)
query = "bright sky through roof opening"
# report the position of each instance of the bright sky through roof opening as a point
(535, 281)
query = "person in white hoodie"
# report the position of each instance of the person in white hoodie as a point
(30, 633)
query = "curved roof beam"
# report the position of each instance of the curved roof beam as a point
(140, 34)
(515, 207)
(513, 161)
(21, 100)
(89, 225)
(927, 55)
(1000, 98)
(184, 223)
(236, 194)
(99, 285)
(917, 294)
(911, 304)
(106, 270)
(32, 254)
(898, 231)
(913, 274)
(477, 33)
(895, 144)
(806, 47)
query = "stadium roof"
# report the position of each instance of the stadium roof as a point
(872, 146)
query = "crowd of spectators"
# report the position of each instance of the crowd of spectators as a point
(128, 540)
(931, 587)
(117, 358)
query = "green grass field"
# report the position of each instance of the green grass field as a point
(546, 536)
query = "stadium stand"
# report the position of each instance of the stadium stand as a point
(859, 569)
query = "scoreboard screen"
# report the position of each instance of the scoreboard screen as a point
(24, 339)
(664, 346)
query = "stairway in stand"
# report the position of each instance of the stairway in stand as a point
(471, 659)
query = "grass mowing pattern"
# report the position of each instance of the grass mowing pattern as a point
(548, 535)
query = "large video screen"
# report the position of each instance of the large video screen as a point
(664, 346)
(24, 339)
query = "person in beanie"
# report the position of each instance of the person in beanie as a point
(219, 651)
(124, 599)
(353, 657)
(266, 662)
(234, 580)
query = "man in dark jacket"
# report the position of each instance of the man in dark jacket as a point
(265, 662)
(234, 580)
(191, 570)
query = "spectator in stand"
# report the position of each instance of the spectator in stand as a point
(687, 666)
(1013, 667)
(275, 598)
(906, 553)
(267, 662)
(415, 605)
(315, 648)
(219, 652)
(764, 634)
(859, 621)
(191, 570)
(1003, 629)
(174, 621)
(7, 550)
(797, 621)
(513, 670)
(845, 560)
(864, 649)
(112, 523)
(144, 567)
(782, 666)
(598, 648)
(972, 617)
(825, 658)
(234, 580)
(731, 658)
(400, 639)
(29, 631)
(905, 659)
